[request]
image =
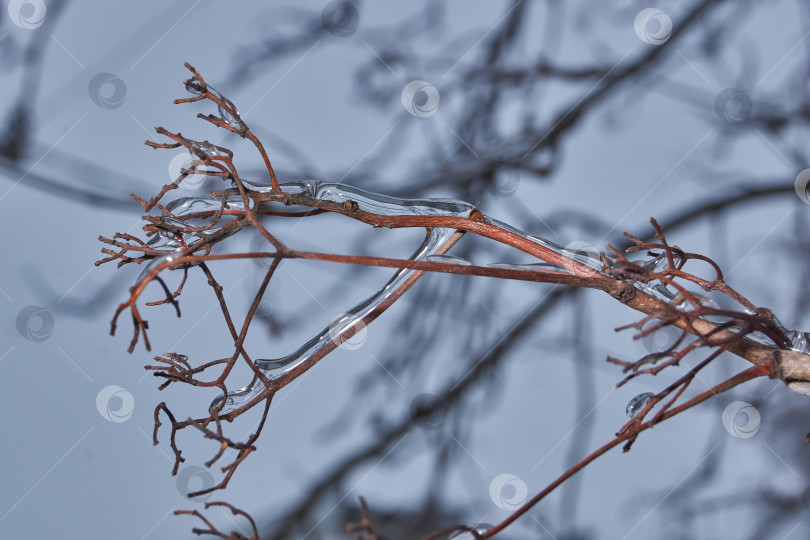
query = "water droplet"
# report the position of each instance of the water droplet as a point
(638, 403)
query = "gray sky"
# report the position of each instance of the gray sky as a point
(68, 471)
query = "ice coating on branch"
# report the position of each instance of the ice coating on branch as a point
(543, 266)
(799, 341)
(299, 187)
(149, 266)
(428, 251)
(164, 240)
(447, 259)
(274, 368)
(208, 149)
(392, 206)
(192, 205)
(228, 117)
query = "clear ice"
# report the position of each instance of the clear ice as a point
(638, 403)
(385, 205)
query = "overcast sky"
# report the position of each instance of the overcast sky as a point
(77, 457)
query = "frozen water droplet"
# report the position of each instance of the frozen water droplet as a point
(449, 259)
(208, 149)
(467, 535)
(193, 86)
(164, 240)
(638, 403)
(228, 117)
